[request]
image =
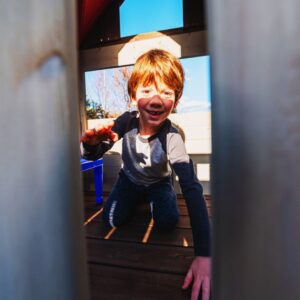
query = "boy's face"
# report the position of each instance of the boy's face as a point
(154, 105)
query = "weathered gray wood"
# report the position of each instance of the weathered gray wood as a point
(190, 44)
(41, 249)
(82, 104)
(256, 138)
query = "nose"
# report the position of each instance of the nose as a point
(156, 101)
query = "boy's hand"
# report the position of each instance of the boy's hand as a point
(99, 134)
(200, 273)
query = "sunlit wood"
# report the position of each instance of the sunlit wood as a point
(148, 232)
(110, 233)
(93, 216)
(185, 243)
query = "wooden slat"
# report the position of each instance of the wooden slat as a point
(140, 256)
(142, 218)
(124, 284)
(181, 201)
(88, 211)
(143, 213)
(183, 212)
(135, 233)
(89, 196)
(191, 44)
(92, 207)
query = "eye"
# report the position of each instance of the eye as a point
(168, 94)
(146, 91)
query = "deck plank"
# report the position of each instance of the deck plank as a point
(136, 232)
(140, 256)
(124, 284)
(141, 218)
(144, 207)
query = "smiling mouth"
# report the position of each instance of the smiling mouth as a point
(154, 113)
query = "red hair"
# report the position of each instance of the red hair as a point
(157, 66)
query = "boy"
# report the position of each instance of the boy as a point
(151, 144)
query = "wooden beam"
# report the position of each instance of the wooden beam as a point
(255, 148)
(42, 251)
(189, 44)
(194, 14)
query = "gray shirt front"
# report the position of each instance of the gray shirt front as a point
(146, 160)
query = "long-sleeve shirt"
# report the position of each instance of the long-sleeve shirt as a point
(148, 160)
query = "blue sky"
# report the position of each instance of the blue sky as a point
(138, 16)
(196, 94)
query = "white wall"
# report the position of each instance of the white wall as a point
(197, 130)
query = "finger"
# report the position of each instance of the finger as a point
(103, 134)
(188, 279)
(83, 139)
(90, 132)
(196, 289)
(114, 136)
(105, 127)
(205, 289)
(99, 128)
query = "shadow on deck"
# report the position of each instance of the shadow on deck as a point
(136, 261)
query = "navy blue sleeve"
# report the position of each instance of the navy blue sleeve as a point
(193, 194)
(191, 190)
(122, 123)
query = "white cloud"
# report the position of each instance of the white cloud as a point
(188, 105)
(187, 75)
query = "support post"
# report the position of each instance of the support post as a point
(255, 55)
(42, 251)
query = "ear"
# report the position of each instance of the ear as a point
(133, 101)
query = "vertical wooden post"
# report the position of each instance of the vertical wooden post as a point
(82, 103)
(42, 254)
(255, 54)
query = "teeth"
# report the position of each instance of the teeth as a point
(155, 112)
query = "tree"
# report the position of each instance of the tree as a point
(94, 110)
(108, 96)
(100, 87)
(121, 77)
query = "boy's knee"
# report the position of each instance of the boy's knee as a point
(166, 224)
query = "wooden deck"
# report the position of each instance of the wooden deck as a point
(136, 261)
